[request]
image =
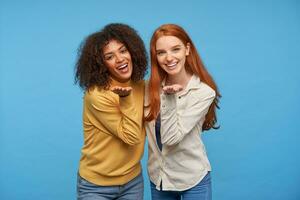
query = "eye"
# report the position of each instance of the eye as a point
(176, 49)
(160, 53)
(123, 50)
(108, 57)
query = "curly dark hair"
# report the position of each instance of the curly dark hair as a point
(90, 69)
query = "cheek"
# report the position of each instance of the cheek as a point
(128, 56)
(182, 58)
(109, 65)
(160, 60)
(181, 55)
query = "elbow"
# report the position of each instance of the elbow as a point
(171, 137)
(170, 141)
(133, 138)
(133, 141)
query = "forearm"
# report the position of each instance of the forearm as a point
(130, 127)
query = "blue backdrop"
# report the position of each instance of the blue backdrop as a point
(250, 47)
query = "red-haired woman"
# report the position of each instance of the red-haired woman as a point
(180, 104)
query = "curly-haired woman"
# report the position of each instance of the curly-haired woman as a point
(110, 68)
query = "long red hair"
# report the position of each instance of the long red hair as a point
(193, 64)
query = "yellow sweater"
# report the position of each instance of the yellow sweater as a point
(114, 135)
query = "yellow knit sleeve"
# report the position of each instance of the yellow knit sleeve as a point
(118, 117)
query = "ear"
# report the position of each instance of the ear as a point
(187, 49)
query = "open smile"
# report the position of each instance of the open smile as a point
(172, 65)
(123, 68)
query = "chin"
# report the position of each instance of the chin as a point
(124, 78)
(172, 72)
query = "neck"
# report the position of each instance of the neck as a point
(115, 82)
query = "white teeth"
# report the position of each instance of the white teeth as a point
(172, 64)
(122, 66)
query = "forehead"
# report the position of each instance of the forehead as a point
(167, 42)
(112, 45)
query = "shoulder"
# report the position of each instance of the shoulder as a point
(138, 88)
(139, 84)
(202, 90)
(206, 90)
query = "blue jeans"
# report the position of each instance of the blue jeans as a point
(133, 190)
(201, 191)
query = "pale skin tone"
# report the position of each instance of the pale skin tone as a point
(171, 55)
(118, 61)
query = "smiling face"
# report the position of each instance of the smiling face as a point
(118, 61)
(171, 54)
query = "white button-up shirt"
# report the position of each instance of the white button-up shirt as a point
(183, 162)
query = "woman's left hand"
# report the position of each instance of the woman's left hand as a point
(121, 91)
(172, 89)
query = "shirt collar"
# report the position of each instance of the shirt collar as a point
(194, 83)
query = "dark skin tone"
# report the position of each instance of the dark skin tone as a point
(121, 91)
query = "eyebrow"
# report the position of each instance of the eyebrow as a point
(178, 45)
(108, 53)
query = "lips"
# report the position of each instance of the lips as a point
(172, 65)
(123, 68)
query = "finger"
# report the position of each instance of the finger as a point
(166, 88)
(127, 89)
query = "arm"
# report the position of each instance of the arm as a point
(121, 120)
(174, 124)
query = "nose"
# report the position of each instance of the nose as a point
(119, 58)
(169, 57)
